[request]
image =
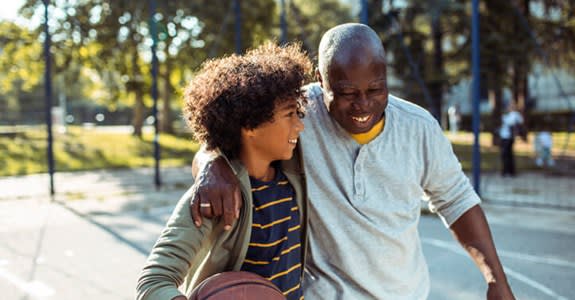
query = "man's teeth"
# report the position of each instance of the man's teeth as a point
(292, 141)
(360, 119)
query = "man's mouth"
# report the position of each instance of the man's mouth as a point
(292, 141)
(361, 119)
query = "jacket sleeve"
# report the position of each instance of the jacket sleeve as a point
(177, 253)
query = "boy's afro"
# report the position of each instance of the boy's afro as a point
(236, 92)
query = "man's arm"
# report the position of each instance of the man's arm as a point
(218, 190)
(472, 232)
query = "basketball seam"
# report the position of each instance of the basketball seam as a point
(240, 283)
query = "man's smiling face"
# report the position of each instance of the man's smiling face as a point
(356, 90)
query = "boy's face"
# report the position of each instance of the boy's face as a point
(276, 140)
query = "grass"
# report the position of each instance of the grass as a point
(23, 151)
(524, 151)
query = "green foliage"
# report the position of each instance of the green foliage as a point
(24, 152)
(308, 20)
(21, 68)
(101, 48)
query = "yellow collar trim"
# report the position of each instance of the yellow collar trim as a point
(366, 137)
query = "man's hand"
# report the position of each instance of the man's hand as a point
(499, 291)
(216, 193)
(472, 231)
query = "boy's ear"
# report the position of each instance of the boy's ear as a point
(247, 133)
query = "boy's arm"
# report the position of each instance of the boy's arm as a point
(472, 232)
(174, 254)
(217, 189)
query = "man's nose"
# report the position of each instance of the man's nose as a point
(361, 102)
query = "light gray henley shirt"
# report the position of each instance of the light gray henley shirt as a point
(364, 202)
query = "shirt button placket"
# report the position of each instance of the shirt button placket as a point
(358, 176)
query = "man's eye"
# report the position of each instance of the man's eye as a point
(376, 90)
(346, 94)
(301, 114)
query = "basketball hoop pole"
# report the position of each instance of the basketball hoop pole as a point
(48, 98)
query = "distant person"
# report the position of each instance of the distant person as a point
(511, 127)
(543, 145)
(454, 118)
(369, 158)
(249, 107)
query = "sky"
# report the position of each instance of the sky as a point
(9, 9)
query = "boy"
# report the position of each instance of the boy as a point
(249, 107)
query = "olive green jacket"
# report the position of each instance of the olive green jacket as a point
(184, 255)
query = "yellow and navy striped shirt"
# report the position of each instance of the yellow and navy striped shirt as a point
(274, 251)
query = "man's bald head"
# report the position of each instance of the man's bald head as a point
(343, 41)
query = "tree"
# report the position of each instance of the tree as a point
(113, 38)
(413, 33)
(309, 20)
(21, 69)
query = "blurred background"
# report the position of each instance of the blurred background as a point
(103, 74)
(90, 92)
(102, 68)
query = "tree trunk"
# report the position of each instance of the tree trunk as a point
(495, 94)
(436, 85)
(166, 118)
(136, 85)
(139, 109)
(521, 67)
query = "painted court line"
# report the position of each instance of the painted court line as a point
(35, 289)
(511, 273)
(537, 259)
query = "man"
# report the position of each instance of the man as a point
(369, 158)
(511, 125)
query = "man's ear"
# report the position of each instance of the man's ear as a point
(318, 77)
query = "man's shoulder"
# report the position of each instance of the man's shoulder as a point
(314, 96)
(408, 111)
(313, 91)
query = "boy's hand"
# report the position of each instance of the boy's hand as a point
(217, 194)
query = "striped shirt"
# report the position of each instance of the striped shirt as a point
(274, 251)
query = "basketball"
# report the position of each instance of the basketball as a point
(236, 286)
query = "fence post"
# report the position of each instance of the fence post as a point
(476, 96)
(48, 97)
(154, 32)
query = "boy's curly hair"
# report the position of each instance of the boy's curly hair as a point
(236, 92)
